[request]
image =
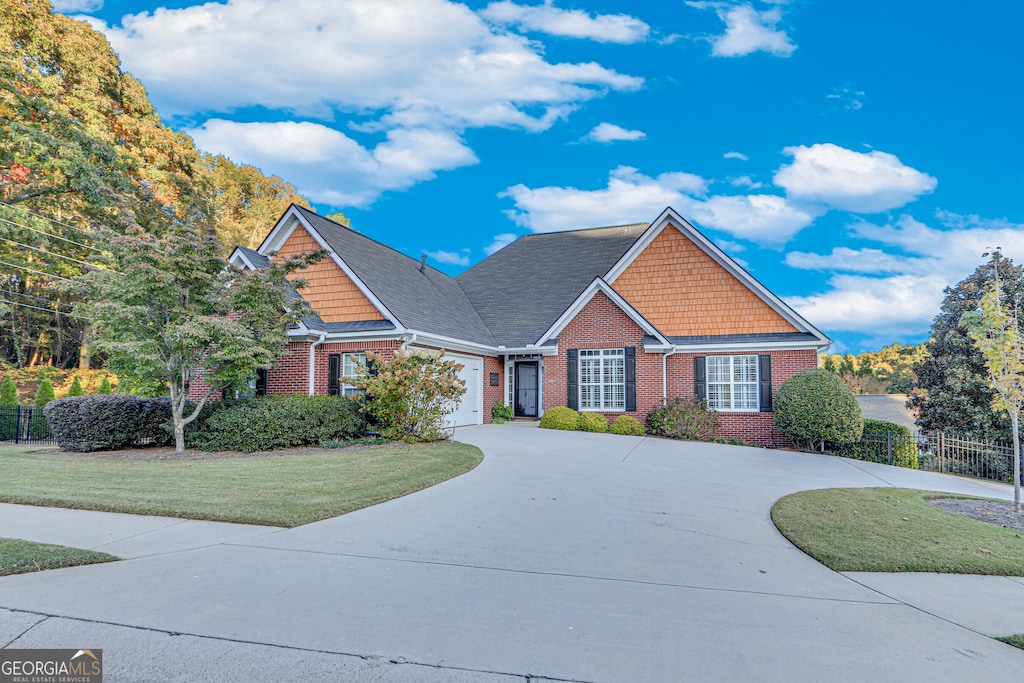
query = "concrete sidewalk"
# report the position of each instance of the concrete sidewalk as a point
(563, 556)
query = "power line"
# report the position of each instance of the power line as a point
(31, 296)
(39, 308)
(32, 270)
(48, 253)
(48, 234)
(47, 218)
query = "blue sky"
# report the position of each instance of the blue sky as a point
(857, 156)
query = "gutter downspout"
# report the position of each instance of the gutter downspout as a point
(664, 376)
(312, 361)
(408, 339)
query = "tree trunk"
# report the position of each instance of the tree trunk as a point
(1015, 421)
(84, 355)
(179, 435)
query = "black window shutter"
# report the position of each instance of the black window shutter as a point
(334, 374)
(371, 367)
(700, 378)
(630, 378)
(261, 382)
(764, 379)
(572, 390)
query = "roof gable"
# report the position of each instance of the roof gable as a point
(599, 286)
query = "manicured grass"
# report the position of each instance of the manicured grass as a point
(287, 490)
(895, 530)
(21, 557)
(1016, 641)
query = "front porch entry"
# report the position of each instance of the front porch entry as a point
(527, 388)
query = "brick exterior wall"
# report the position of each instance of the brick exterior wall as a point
(603, 325)
(493, 395)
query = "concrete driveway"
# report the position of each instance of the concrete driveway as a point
(563, 556)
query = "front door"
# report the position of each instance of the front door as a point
(527, 388)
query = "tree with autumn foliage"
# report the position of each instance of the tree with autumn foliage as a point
(994, 327)
(169, 311)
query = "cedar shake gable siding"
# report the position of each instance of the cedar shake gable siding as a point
(329, 291)
(682, 291)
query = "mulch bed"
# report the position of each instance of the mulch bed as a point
(992, 512)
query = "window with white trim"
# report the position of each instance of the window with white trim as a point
(732, 382)
(350, 364)
(602, 379)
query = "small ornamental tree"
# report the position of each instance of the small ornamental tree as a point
(411, 394)
(814, 408)
(105, 387)
(44, 394)
(8, 393)
(995, 330)
(76, 388)
(168, 311)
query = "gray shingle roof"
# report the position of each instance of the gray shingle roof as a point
(522, 289)
(257, 259)
(429, 301)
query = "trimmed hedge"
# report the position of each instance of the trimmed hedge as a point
(627, 425)
(98, 423)
(272, 422)
(592, 422)
(816, 410)
(904, 447)
(560, 418)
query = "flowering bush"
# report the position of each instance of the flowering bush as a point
(411, 394)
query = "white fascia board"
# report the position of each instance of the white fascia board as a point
(747, 347)
(599, 285)
(529, 350)
(283, 230)
(452, 344)
(239, 259)
(307, 334)
(670, 217)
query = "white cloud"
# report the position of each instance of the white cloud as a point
(609, 132)
(451, 258)
(630, 197)
(851, 181)
(736, 155)
(407, 62)
(546, 18)
(746, 181)
(903, 304)
(73, 6)
(329, 166)
(763, 218)
(500, 241)
(848, 98)
(748, 31)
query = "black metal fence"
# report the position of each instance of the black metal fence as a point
(20, 424)
(937, 452)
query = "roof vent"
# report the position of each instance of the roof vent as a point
(423, 263)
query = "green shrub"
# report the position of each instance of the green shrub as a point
(272, 422)
(628, 425)
(76, 388)
(44, 394)
(37, 427)
(105, 387)
(817, 411)
(689, 420)
(155, 427)
(904, 447)
(560, 418)
(94, 423)
(8, 392)
(592, 422)
(501, 413)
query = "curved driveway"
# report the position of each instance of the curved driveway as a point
(567, 556)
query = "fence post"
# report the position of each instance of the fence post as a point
(888, 444)
(17, 424)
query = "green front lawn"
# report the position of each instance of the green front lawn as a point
(21, 557)
(286, 490)
(895, 530)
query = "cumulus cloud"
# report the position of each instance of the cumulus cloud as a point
(748, 31)
(331, 167)
(546, 18)
(451, 258)
(746, 181)
(763, 218)
(851, 181)
(500, 241)
(628, 198)
(609, 132)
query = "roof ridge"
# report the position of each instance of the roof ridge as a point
(599, 227)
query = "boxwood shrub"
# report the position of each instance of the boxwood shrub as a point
(272, 422)
(592, 422)
(817, 411)
(560, 418)
(628, 425)
(95, 423)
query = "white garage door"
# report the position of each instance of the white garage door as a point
(470, 408)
